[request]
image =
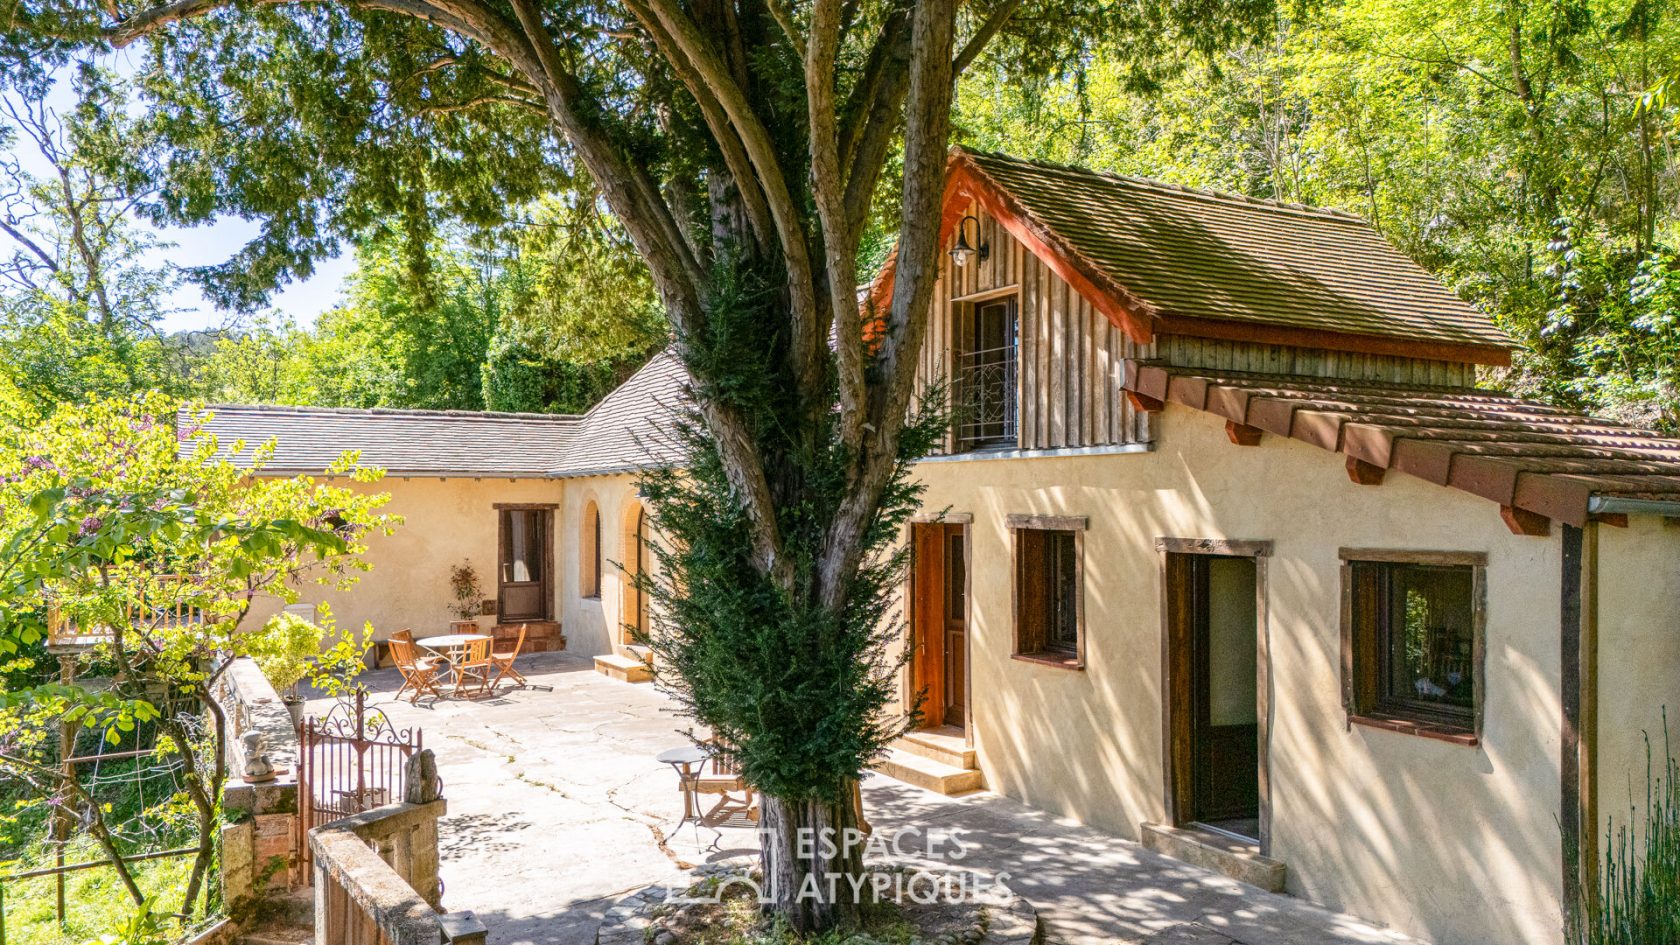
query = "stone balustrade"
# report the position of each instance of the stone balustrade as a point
(376, 880)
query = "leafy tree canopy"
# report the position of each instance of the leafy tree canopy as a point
(1507, 147)
(742, 146)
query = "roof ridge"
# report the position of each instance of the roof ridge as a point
(667, 351)
(1263, 203)
(305, 409)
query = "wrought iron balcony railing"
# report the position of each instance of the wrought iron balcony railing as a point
(986, 398)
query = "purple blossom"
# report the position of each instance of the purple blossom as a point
(90, 525)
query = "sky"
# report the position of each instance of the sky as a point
(203, 245)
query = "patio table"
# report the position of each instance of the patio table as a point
(450, 645)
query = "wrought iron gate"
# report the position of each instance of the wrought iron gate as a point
(349, 760)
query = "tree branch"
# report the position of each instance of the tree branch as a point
(988, 29)
(926, 136)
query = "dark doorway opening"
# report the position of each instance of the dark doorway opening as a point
(523, 589)
(1214, 687)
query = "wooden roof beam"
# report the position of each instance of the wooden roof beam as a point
(1363, 473)
(1242, 434)
(1523, 522)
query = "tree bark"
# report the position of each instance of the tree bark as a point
(812, 853)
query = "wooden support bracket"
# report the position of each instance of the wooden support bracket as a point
(1613, 519)
(1242, 434)
(1363, 473)
(1523, 522)
(1144, 403)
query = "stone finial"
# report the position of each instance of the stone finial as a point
(421, 774)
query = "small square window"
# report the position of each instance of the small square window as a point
(1047, 594)
(1413, 642)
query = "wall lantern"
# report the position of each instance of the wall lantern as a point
(961, 251)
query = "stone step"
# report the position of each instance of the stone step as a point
(623, 668)
(945, 745)
(637, 651)
(927, 773)
(1218, 852)
(277, 934)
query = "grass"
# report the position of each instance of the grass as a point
(95, 901)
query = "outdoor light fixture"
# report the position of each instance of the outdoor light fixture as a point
(961, 251)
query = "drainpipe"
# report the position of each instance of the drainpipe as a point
(1578, 637)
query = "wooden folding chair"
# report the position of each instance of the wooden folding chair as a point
(474, 666)
(503, 660)
(730, 802)
(420, 676)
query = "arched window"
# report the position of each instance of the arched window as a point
(589, 552)
(633, 608)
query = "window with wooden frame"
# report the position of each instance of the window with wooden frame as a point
(984, 382)
(1049, 589)
(589, 553)
(1412, 644)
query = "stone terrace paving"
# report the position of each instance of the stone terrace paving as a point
(557, 807)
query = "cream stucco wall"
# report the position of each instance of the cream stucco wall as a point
(1638, 660)
(593, 626)
(1455, 843)
(446, 521)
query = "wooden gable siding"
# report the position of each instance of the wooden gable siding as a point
(1070, 362)
(1186, 351)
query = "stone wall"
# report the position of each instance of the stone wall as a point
(260, 844)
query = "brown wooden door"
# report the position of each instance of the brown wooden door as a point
(524, 573)
(1213, 647)
(938, 622)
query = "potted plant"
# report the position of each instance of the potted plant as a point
(285, 650)
(468, 591)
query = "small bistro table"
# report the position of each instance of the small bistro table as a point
(686, 762)
(450, 645)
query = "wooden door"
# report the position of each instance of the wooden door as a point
(1213, 649)
(939, 622)
(523, 588)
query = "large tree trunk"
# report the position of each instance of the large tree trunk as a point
(813, 861)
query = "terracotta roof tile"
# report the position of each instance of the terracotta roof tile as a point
(1534, 456)
(1195, 254)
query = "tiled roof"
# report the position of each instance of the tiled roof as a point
(1198, 262)
(1544, 460)
(403, 442)
(630, 428)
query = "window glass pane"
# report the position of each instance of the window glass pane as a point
(985, 376)
(1429, 645)
(1062, 627)
(524, 545)
(956, 582)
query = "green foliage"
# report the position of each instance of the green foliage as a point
(113, 528)
(1638, 899)
(96, 903)
(285, 649)
(80, 302)
(798, 688)
(1529, 178)
(549, 321)
(144, 927)
(468, 591)
(289, 649)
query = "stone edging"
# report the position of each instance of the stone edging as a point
(1012, 919)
